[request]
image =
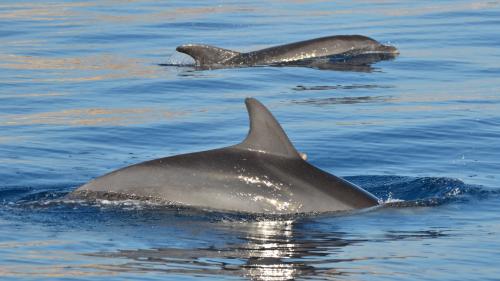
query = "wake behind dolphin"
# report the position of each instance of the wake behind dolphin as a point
(262, 174)
(339, 46)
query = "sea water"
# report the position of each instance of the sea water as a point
(87, 87)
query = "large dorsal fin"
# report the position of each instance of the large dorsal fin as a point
(207, 55)
(266, 134)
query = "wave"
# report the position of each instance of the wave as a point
(400, 191)
(393, 191)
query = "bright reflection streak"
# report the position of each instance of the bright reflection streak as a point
(270, 242)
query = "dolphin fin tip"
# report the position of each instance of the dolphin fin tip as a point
(266, 134)
(249, 101)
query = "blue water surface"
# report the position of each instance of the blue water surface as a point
(87, 87)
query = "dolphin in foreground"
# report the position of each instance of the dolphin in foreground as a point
(262, 174)
(339, 46)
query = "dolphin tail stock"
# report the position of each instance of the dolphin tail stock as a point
(207, 55)
(266, 134)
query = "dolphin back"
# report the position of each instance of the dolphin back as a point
(331, 46)
(262, 174)
(339, 45)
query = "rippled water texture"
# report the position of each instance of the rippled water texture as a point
(87, 87)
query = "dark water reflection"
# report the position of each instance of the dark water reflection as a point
(342, 100)
(356, 63)
(267, 250)
(340, 87)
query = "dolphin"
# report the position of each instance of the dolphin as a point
(263, 174)
(339, 46)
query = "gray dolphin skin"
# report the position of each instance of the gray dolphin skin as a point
(262, 174)
(207, 56)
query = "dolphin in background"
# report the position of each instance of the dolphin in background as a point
(262, 174)
(338, 48)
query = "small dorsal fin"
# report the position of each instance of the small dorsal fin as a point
(266, 134)
(207, 55)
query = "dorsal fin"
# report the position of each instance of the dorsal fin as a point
(266, 134)
(207, 55)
